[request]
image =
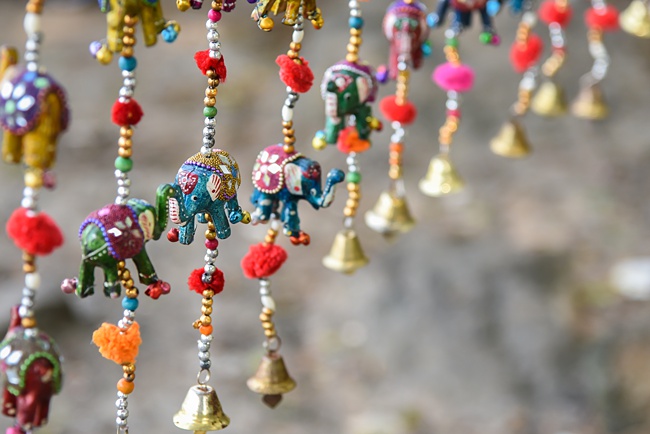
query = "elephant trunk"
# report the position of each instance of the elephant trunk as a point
(163, 194)
(8, 58)
(333, 177)
(331, 107)
(404, 44)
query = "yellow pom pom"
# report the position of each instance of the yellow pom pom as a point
(104, 55)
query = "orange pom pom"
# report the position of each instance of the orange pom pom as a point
(117, 346)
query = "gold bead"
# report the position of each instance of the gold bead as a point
(207, 302)
(128, 283)
(264, 317)
(271, 333)
(351, 186)
(288, 131)
(129, 377)
(34, 179)
(205, 320)
(128, 40)
(209, 235)
(209, 102)
(206, 310)
(356, 40)
(128, 368)
(351, 203)
(267, 325)
(126, 132)
(127, 51)
(354, 49)
(125, 142)
(28, 322)
(289, 140)
(295, 46)
(269, 240)
(211, 73)
(267, 311)
(287, 124)
(213, 82)
(125, 153)
(29, 268)
(349, 212)
(352, 58)
(126, 274)
(355, 32)
(129, 31)
(211, 92)
(208, 293)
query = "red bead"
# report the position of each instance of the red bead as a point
(212, 244)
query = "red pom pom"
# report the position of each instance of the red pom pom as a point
(205, 63)
(524, 55)
(298, 76)
(126, 113)
(197, 285)
(404, 114)
(549, 13)
(605, 19)
(263, 260)
(35, 233)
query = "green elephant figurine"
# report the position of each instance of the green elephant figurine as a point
(149, 13)
(348, 89)
(116, 233)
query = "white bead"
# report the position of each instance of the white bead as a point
(529, 18)
(33, 280)
(28, 202)
(268, 302)
(32, 23)
(31, 45)
(297, 36)
(287, 114)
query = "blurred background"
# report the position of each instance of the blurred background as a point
(496, 314)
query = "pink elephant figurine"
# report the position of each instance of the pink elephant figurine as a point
(30, 367)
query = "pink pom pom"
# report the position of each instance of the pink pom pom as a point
(263, 260)
(459, 78)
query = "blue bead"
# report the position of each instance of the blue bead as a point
(127, 63)
(426, 49)
(169, 34)
(130, 303)
(432, 20)
(356, 22)
(492, 7)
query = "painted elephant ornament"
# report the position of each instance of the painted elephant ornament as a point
(115, 233)
(148, 12)
(205, 186)
(290, 8)
(405, 26)
(30, 366)
(348, 90)
(282, 178)
(33, 112)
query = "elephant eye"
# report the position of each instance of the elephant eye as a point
(194, 198)
(347, 97)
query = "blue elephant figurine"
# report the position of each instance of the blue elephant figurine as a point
(206, 185)
(281, 177)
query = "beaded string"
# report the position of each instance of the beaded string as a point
(528, 82)
(554, 63)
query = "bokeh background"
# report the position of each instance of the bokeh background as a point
(495, 315)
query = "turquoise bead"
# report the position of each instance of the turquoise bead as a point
(356, 22)
(127, 63)
(130, 303)
(123, 164)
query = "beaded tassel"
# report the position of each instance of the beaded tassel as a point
(33, 113)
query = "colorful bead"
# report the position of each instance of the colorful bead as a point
(210, 112)
(214, 16)
(130, 303)
(127, 63)
(126, 387)
(212, 244)
(356, 22)
(354, 177)
(123, 164)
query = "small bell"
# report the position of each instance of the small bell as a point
(271, 380)
(511, 142)
(635, 19)
(390, 216)
(346, 255)
(201, 411)
(590, 104)
(441, 178)
(549, 100)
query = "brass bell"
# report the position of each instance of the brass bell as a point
(201, 411)
(391, 215)
(511, 142)
(635, 19)
(549, 100)
(271, 379)
(589, 104)
(346, 255)
(441, 178)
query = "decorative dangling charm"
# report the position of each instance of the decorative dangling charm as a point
(348, 88)
(293, 9)
(635, 19)
(33, 112)
(511, 141)
(405, 26)
(122, 15)
(549, 100)
(205, 190)
(590, 104)
(281, 178)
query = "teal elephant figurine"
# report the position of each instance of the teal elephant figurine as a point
(205, 185)
(116, 233)
(348, 89)
(285, 178)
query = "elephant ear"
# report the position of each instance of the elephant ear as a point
(363, 89)
(213, 186)
(293, 178)
(146, 220)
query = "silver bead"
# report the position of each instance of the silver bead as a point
(208, 131)
(211, 25)
(206, 151)
(212, 253)
(128, 74)
(121, 423)
(27, 301)
(25, 312)
(214, 46)
(204, 355)
(28, 292)
(28, 203)
(205, 365)
(122, 413)
(208, 141)
(121, 403)
(350, 160)
(209, 268)
(120, 175)
(129, 314)
(129, 82)
(203, 346)
(210, 122)
(213, 35)
(126, 92)
(206, 278)
(214, 54)
(124, 182)
(206, 338)
(31, 56)
(208, 259)
(123, 191)
(31, 45)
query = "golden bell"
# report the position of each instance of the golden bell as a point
(549, 100)
(511, 142)
(201, 411)
(635, 19)
(441, 178)
(271, 380)
(589, 104)
(390, 216)
(346, 255)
